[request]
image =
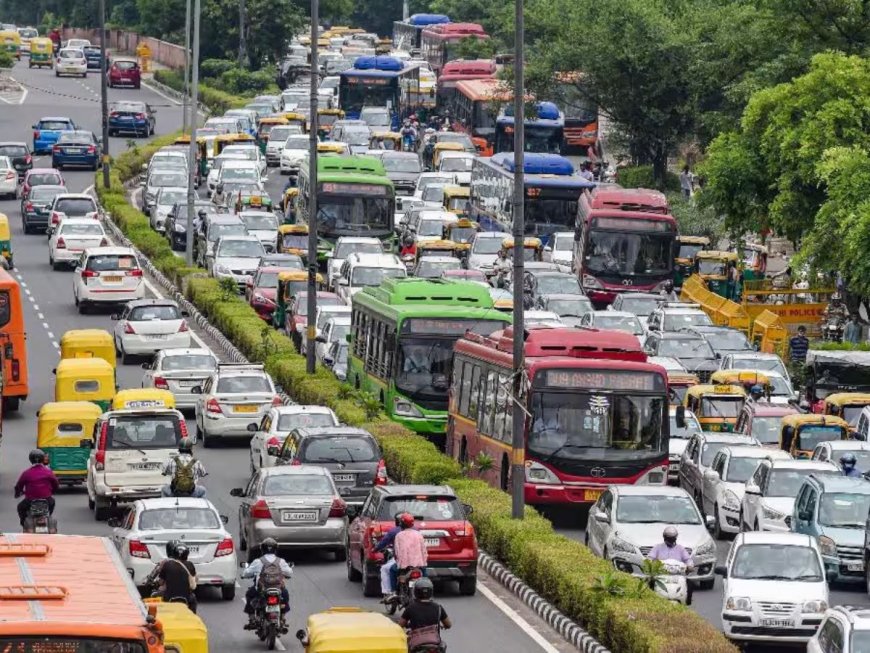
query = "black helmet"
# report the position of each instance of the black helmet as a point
(181, 551)
(36, 456)
(269, 545)
(424, 589)
(172, 549)
(848, 458)
(185, 445)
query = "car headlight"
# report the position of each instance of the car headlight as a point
(405, 408)
(708, 548)
(591, 282)
(618, 544)
(537, 473)
(221, 269)
(738, 603)
(729, 500)
(815, 606)
(828, 546)
(770, 513)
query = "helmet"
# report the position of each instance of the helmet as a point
(836, 297)
(181, 552)
(36, 456)
(756, 390)
(185, 445)
(172, 549)
(669, 285)
(269, 545)
(423, 589)
(848, 459)
(670, 534)
(406, 520)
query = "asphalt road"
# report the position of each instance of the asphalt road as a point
(318, 583)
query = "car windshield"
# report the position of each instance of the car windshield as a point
(218, 230)
(304, 485)
(653, 509)
(231, 174)
(71, 54)
(461, 139)
(290, 261)
(618, 323)
(685, 348)
(423, 508)
(431, 227)
(243, 384)
(241, 152)
(723, 340)
(154, 312)
(280, 133)
(178, 519)
(168, 178)
(759, 364)
(409, 164)
(782, 562)
(359, 215)
(741, 470)
(81, 229)
(170, 197)
(564, 244)
(301, 308)
(765, 429)
(787, 482)
(677, 321)
(339, 449)
(112, 262)
(429, 269)
(355, 136)
(44, 179)
(640, 306)
(304, 420)
(554, 284)
(692, 425)
(844, 509)
(296, 143)
(78, 138)
(486, 245)
(721, 406)
(260, 221)
(433, 193)
(456, 164)
(438, 180)
(570, 306)
(375, 117)
(267, 280)
(374, 276)
(73, 207)
(711, 267)
(241, 249)
(143, 431)
(343, 250)
(781, 388)
(188, 362)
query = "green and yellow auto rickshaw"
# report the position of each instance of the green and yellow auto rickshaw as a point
(85, 379)
(6, 240)
(326, 119)
(10, 41)
(754, 261)
(41, 53)
(684, 262)
(220, 142)
(201, 153)
(713, 266)
(60, 429)
(296, 118)
(265, 126)
(290, 282)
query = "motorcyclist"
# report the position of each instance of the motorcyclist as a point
(387, 587)
(848, 463)
(269, 570)
(667, 291)
(835, 310)
(55, 37)
(501, 267)
(36, 482)
(424, 618)
(185, 472)
(409, 244)
(668, 549)
(409, 136)
(756, 392)
(409, 548)
(176, 574)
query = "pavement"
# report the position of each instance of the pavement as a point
(318, 583)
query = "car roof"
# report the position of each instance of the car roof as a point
(80, 221)
(299, 409)
(438, 259)
(801, 463)
(60, 118)
(172, 502)
(185, 352)
(152, 302)
(754, 354)
(567, 295)
(641, 295)
(225, 218)
(76, 196)
(244, 237)
(625, 314)
(43, 171)
(104, 251)
(848, 445)
(416, 490)
(741, 440)
(771, 537)
(647, 490)
(744, 451)
(327, 431)
(294, 470)
(357, 239)
(843, 484)
(765, 409)
(374, 260)
(682, 334)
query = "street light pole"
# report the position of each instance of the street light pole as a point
(311, 328)
(104, 95)
(518, 445)
(194, 116)
(186, 89)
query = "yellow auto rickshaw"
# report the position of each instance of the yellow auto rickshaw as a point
(390, 141)
(288, 205)
(678, 385)
(441, 148)
(716, 406)
(293, 239)
(60, 429)
(456, 200)
(745, 378)
(88, 343)
(183, 630)
(265, 126)
(439, 248)
(85, 379)
(325, 119)
(799, 434)
(462, 232)
(290, 282)
(684, 261)
(41, 52)
(10, 41)
(296, 118)
(352, 630)
(220, 142)
(253, 201)
(332, 147)
(712, 266)
(846, 405)
(754, 261)
(6, 240)
(533, 248)
(143, 398)
(201, 153)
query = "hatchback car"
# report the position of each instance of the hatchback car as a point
(323, 314)
(157, 179)
(72, 205)
(263, 225)
(763, 421)
(175, 227)
(272, 431)
(79, 149)
(35, 209)
(94, 57)
(47, 130)
(39, 177)
(293, 153)
(693, 351)
(142, 534)
(19, 153)
(615, 320)
(335, 360)
(570, 308)
(107, 276)
(261, 290)
(8, 178)
(71, 61)
(146, 326)
(675, 316)
(698, 456)
(210, 231)
(679, 440)
(166, 198)
(536, 284)
(236, 258)
(179, 371)
(846, 629)
(129, 117)
(299, 507)
(724, 340)
(124, 72)
(71, 237)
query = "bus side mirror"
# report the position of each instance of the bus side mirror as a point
(681, 417)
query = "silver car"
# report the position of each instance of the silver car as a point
(237, 258)
(161, 179)
(179, 371)
(298, 506)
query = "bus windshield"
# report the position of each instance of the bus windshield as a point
(346, 214)
(612, 252)
(355, 96)
(538, 139)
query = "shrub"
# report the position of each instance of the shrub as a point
(245, 82)
(642, 177)
(6, 60)
(215, 67)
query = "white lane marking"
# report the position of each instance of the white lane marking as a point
(150, 286)
(51, 335)
(87, 190)
(23, 88)
(279, 645)
(40, 315)
(45, 325)
(521, 623)
(35, 307)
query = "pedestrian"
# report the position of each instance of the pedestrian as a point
(799, 345)
(586, 171)
(853, 330)
(686, 182)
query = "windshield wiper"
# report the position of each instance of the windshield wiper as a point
(565, 446)
(768, 577)
(846, 525)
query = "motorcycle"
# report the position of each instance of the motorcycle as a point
(39, 519)
(832, 330)
(269, 620)
(404, 590)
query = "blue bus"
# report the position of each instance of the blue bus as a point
(544, 132)
(380, 82)
(406, 34)
(552, 192)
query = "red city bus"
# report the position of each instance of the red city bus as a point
(597, 412)
(474, 109)
(581, 113)
(439, 42)
(457, 71)
(624, 242)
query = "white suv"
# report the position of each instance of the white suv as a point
(673, 316)
(846, 629)
(107, 276)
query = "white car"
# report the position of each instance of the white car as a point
(72, 205)
(8, 177)
(430, 225)
(234, 170)
(543, 318)
(725, 482)
(278, 423)
(754, 360)
(627, 522)
(294, 152)
(432, 179)
(457, 164)
(433, 267)
(484, 251)
(673, 316)
(263, 225)
(322, 315)
(179, 371)
(769, 496)
(365, 270)
(71, 61)
(107, 276)
(74, 235)
(344, 247)
(616, 321)
(141, 538)
(146, 326)
(77, 43)
(774, 588)
(336, 329)
(679, 440)
(560, 250)
(699, 454)
(278, 135)
(232, 399)
(247, 152)
(834, 449)
(843, 623)
(166, 198)
(236, 258)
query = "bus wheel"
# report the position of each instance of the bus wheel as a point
(505, 470)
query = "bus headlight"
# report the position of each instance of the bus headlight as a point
(404, 408)
(538, 474)
(591, 282)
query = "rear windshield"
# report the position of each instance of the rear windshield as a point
(423, 508)
(177, 518)
(147, 431)
(240, 384)
(50, 125)
(82, 229)
(126, 65)
(156, 312)
(81, 206)
(296, 485)
(112, 262)
(219, 230)
(44, 179)
(304, 420)
(13, 150)
(45, 194)
(189, 362)
(339, 449)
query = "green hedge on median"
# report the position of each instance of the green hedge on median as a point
(216, 100)
(563, 571)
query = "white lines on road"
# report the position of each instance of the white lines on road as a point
(21, 99)
(35, 307)
(514, 616)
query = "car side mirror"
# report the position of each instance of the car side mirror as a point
(721, 570)
(752, 488)
(343, 282)
(602, 517)
(237, 492)
(146, 366)
(225, 519)
(115, 316)
(710, 522)
(86, 443)
(196, 390)
(253, 428)
(113, 522)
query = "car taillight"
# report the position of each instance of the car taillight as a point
(212, 406)
(381, 475)
(468, 531)
(415, 574)
(138, 550)
(28, 206)
(92, 149)
(295, 462)
(89, 274)
(28, 159)
(160, 383)
(114, 114)
(277, 401)
(338, 508)
(272, 599)
(182, 426)
(140, 116)
(225, 548)
(55, 218)
(134, 273)
(55, 148)
(260, 510)
(100, 455)
(183, 328)
(61, 244)
(16, 369)
(104, 243)
(35, 133)
(128, 328)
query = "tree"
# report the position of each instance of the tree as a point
(821, 25)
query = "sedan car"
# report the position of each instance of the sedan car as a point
(263, 225)
(236, 258)
(36, 208)
(724, 340)
(148, 325)
(536, 284)
(699, 454)
(570, 308)
(94, 57)
(166, 198)
(210, 231)
(79, 149)
(322, 315)
(693, 351)
(71, 61)
(457, 164)
(129, 117)
(161, 179)
(124, 72)
(71, 237)
(178, 371)
(299, 507)
(615, 320)
(273, 430)
(142, 534)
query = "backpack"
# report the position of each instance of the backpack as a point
(184, 480)
(271, 574)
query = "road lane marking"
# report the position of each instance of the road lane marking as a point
(514, 616)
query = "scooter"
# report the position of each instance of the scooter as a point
(673, 584)
(39, 519)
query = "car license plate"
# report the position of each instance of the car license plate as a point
(145, 466)
(777, 623)
(40, 529)
(343, 478)
(855, 566)
(187, 384)
(244, 409)
(193, 549)
(273, 608)
(433, 541)
(113, 279)
(295, 516)
(74, 150)
(158, 336)
(591, 495)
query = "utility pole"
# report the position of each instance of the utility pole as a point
(186, 89)
(312, 191)
(518, 444)
(243, 37)
(405, 10)
(194, 119)
(104, 94)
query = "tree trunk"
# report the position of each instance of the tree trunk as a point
(660, 168)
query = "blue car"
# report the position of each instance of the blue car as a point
(93, 55)
(78, 148)
(131, 117)
(47, 131)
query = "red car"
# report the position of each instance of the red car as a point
(40, 177)
(260, 291)
(438, 514)
(124, 72)
(296, 317)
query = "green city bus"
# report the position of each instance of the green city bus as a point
(355, 198)
(401, 344)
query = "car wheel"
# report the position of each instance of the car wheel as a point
(717, 527)
(101, 510)
(228, 592)
(355, 576)
(11, 404)
(91, 503)
(340, 554)
(82, 308)
(468, 586)
(207, 442)
(125, 357)
(707, 584)
(137, 87)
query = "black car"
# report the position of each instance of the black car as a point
(36, 208)
(19, 153)
(94, 55)
(176, 221)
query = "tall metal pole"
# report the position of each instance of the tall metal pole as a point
(194, 118)
(104, 94)
(243, 40)
(186, 89)
(518, 448)
(311, 328)
(405, 11)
